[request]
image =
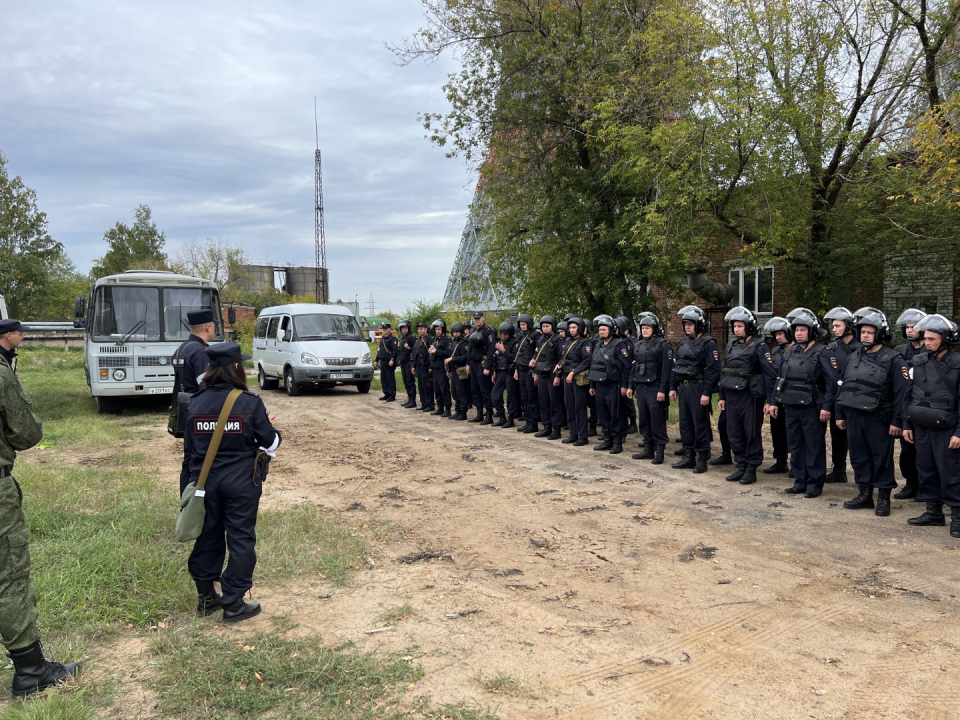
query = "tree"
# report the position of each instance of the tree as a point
(138, 247)
(216, 260)
(27, 252)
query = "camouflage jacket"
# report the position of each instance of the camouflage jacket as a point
(21, 428)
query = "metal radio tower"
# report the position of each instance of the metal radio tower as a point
(320, 237)
(469, 281)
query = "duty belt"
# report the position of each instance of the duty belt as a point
(6, 471)
(691, 382)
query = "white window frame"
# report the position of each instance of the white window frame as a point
(756, 286)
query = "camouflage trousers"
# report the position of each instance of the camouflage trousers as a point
(18, 599)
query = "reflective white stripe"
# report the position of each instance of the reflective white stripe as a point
(270, 450)
(200, 493)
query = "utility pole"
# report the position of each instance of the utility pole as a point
(320, 243)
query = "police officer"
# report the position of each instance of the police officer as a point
(440, 351)
(807, 389)
(526, 349)
(405, 358)
(387, 354)
(19, 630)
(481, 369)
(933, 421)
(781, 333)
(547, 379)
(421, 367)
(505, 363)
(652, 366)
(696, 372)
(591, 399)
(459, 371)
(561, 346)
(629, 410)
(844, 345)
(610, 375)
(233, 486)
(747, 384)
(874, 385)
(577, 355)
(913, 346)
(189, 363)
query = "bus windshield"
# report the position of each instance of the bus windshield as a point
(177, 302)
(320, 327)
(126, 313)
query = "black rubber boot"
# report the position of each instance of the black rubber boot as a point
(208, 601)
(688, 461)
(33, 673)
(658, 454)
(909, 490)
(580, 442)
(749, 475)
(701, 466)
(446, 412)
(933, 515)
(479, 416)
(883, 502)
(592, 432)
(240, 610)
(554, 433)
(532, 427)
(738, 473)
(862, 501)
(646, 453)
(617, 446)
(605, 445)
(509, 422)
(779, 466)
(837, 475)
(487, 417)
(722, 459)
(569, 440)
(547, 429)
(955, 522)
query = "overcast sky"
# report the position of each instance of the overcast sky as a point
(206, 115)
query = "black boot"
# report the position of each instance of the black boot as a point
(554, 433)
(208, 602)
(446, 412)
(606, 444)
(509, 422)
(410, 403)
(479, 417)
(569, 440)
(617, 446)
(487, 417)
(749, 475)
(499, 419)
(779, 466)
(33, 673)
(909, 490)
(580, 442)
(738, 473)
(933, 515)
(722, 459)
(658, 454)
(702, 457)
(532, 427)
(687, 462)
(955, 522)
(883, 502)
(545, 432)
(438, 411)
(861, 501)
(646, 453)
(680, 451)
(383, 397)
(592, 432)
(631, 426)
(240, 610)
(837, 475)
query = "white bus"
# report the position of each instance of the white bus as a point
(133, 323)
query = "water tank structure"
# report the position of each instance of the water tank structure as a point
(259, 278)
(303, 281)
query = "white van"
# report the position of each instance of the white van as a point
(305, 343)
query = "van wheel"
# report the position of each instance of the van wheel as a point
(293, 388)
(265, 382)
(364, 387)
(105, 405)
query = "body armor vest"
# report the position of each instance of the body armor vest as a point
(646, 357)
(527, 349)
(908, 351)
(546, 354)
(406, 352)
(444, 346)
(737, 373)
(799, 384)
(844, 350)
(933, 399)
(603, 364)
(867, 384)
(687, 363)
(574, 354)
(777, 355)
(502, 361)
(457, 344)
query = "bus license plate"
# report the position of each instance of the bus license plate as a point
(161, 391)
(341, 376)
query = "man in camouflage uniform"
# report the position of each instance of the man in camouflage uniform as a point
(18, 600)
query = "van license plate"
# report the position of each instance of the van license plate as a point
(341, 376)
(161, 391)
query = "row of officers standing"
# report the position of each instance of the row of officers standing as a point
(576, 375)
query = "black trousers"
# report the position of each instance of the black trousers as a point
(551, 407)
(652, 414)
(608, 408)
(481, 385)
(938, 467)
(576, 404)
(908, 461)
(807, 439)
(441, 387)
(838, 444)
(778, 431)
(528, 395)
(591, 409)
(460, 390)
(425, 384)
(409, 382)
(388, 378)
(724, 435)
(871, 448)
(629, 410)
(231, 510)
(184, 472)
(695, 431)
(744, 423)
(504, 383)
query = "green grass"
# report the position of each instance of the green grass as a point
(395, 615)
(503, 684)
(53, 706)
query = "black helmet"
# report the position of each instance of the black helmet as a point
(456, 327)
(942, 326)
(841, 313)
(744, 315)
(404, 324)
(562, 325)
(476, 339)
(778, 324)
(507, 328)
(805, 317)
(574, 320)
(694, 314)
(601, 320)
(536, 326)
(440, 324)
(875, 318)
(589, 324)
(623, 324)
(568, 317)
(649, 318)
(910, 316)
(528, 319)
(549, 319)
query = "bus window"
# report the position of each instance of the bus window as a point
(177, 302)
(126, 312)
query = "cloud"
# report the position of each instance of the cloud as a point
(205, 113)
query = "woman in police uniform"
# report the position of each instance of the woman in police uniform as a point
(233, 485)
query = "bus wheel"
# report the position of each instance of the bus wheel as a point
(105, 405)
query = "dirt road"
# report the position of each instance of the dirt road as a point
(610, 588)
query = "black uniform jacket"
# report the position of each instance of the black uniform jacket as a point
(190, 364)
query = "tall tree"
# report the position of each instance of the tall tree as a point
(216, 260)
(136, 247)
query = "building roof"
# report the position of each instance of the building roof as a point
(373, 320)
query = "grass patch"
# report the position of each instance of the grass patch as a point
(502, 684)
(52, 706)
(395, 615)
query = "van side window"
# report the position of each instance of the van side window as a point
(274, 323)
(262, 327)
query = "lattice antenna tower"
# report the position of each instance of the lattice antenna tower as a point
(320, 239)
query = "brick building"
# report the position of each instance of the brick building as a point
(233, 313)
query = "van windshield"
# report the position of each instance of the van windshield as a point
(326, 327)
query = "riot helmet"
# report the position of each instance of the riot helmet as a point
(605, 320)
(694, 314)
(623, 324)
(438, 323)
(525, 318)
(568, 317)
(649, 318)
(805, 317)
(563, 325)
(910, 316)
(877, 319)
(589, 326)
(778, 324)
(942, 326)
(575, 324)
(549, 319)
(456, 327)
(506, 329)
(476, 340)
(404, 324)
(841, 313)
(744, 315)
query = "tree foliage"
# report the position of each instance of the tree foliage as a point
(135, 247)
(215, 260)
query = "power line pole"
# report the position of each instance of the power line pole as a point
(370, 305)
(320, 240)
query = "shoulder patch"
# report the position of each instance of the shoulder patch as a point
(623, 351)
(906, 373)
(670, 354)
(716, 355)
(769, 357)
(833, 362)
